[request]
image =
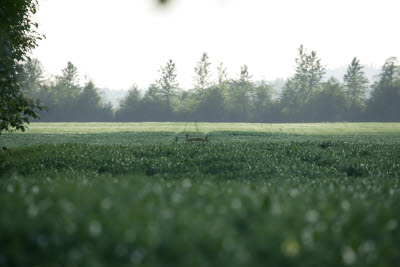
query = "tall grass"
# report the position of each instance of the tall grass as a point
(245, 198)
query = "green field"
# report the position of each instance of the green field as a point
(137, 194)
(176, 127)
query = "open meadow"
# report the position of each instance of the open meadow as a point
(138, 194)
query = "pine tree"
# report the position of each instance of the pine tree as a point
(130, 105)
(240, 91)
(202, 78)
(90, 97)
(355, 83)
(261, 100)
(168, 83)
(32, 78)
(245, 77)
(309, 73)
(222, 74)
(384, 104)
(132, 100)
(305, 84)
(89, 103)
(67, 84)
(223, 81)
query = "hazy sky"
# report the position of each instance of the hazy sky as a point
(121, 42)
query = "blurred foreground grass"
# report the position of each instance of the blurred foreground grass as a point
(245, 198)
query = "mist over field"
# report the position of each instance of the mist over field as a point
(353, 93)
(199, 133)
(230, 61)
(114, 96)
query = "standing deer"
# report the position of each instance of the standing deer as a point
(198, 139)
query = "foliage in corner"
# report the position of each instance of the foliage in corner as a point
(18, 36)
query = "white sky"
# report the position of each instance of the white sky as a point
(121, 42)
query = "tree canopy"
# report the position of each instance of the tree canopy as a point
(307, 96)
(18, 36)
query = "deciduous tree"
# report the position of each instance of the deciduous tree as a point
(356, 84)
(309, 73)
(130, 105)
(202, 78)
(167, 83)
(305, 83)
(240, 91)
(18, 36)
(384, 104)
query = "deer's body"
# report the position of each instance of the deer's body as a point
(198, 139)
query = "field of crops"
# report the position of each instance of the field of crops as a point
(137, 194)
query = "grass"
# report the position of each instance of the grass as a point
(76, 195)
(177, 127)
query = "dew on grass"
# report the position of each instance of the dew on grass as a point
(367, 247)
(391, 225)
(67, 206)
(186, 183)
(106, 204)
(137, 256)
(345, 205)
(236, 204)
(307, 237)
(121, 250)
(35, 190)
(311, 216)
(74, 254)
(42, 241)
(310, 198)
(276, 208)
(210, 209)
(293, 192)
(348, 256)
(157, 188)
(167, 213)
(95, 228)
(130, 235)
(176, 197)
(228, 244)
(290, 247)
(10, 188)
(70, 227)
(33, 210)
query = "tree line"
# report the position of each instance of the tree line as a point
(307, 96)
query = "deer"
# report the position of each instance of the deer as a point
(198, 139)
